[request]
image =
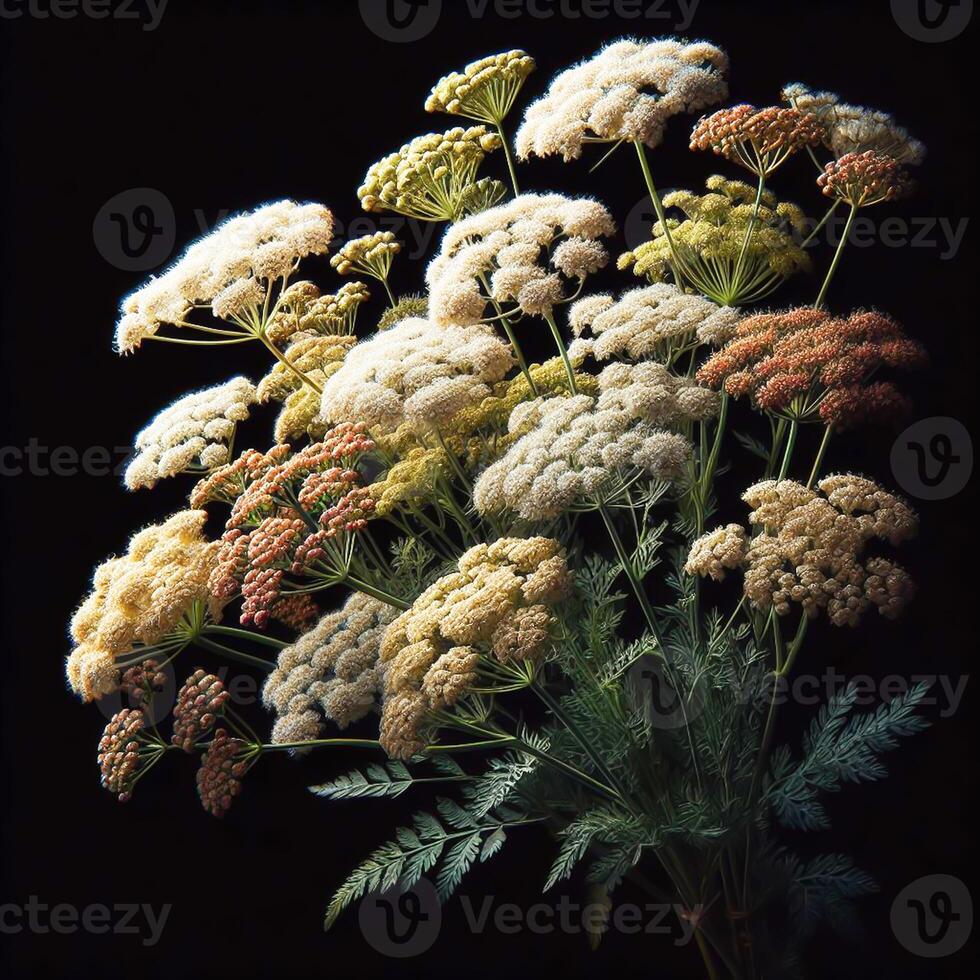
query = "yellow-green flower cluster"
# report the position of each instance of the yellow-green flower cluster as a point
(370, 255)
(318, 356)
(303, 310)
(713, 246)
(411, 482)
(498, 601)
(485, 89)
(428, 178)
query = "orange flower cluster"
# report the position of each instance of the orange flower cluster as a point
(863, 179)
(819, 362)
(284, 511)
(757, 139)
(219, 778)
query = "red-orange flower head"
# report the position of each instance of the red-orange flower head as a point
(863, 179)
(807, 362)
(758, 139)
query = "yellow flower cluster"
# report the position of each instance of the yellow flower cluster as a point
(712, 246)
(497, 602)
(140, 597)
(714, 230)
(370, 255)
(318, 357)
(412, 480)
(303, 310)
(430, 177)
(485, 89)
(809, 548)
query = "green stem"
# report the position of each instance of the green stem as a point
(269, 641)
(819, 457)
(659, 208)
(794, 428)
(510, 160)
(556, 333)
(222, 650)
(837, 255)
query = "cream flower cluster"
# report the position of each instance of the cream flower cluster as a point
(229, 270)
(329, 672)
(855, 129)
(196, 429)
(809, 548)
(654, 321)
(571, 449)
(513, 254)
(415, 373)
(139, 598)
(497, 601)
(629, 90)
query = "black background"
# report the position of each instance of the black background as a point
(225, 106)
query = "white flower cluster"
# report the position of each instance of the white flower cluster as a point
(415, 373)
(499, 254)
(330, 672)
(854, 128)
(569, 449)
(627, 91)
(648, 322)
(195, 429)
(229, 269)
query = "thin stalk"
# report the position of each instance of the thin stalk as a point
(556, 333)
(222, 650)
(510, 160)
(819, 457)
(837, 255)
(659, 208)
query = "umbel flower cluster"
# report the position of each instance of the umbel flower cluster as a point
(490, 510)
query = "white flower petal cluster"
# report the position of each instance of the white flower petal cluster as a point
(229, 269)
(627, 91)
(569, 449)
(503, 253)
(331, 671)
(195, 429)
(648, 322)
(415, 373)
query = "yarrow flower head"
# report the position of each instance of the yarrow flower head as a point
(430, 177)
(268, 536)
(864, 179)
(760, 140)
(415, 373)
(193, 432)
(231, 270)
(121, 755)
(658, 322)
(515, 255)
(855, 129)
(807, 363)
(809, 549)
(200, 701)
(716, 251)
(496, 604)
(223, 767)
(139, 598)
(370, 255)
(629, 90)
(331, 672)
(571, 450)
(484, 90)
(302, 311)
